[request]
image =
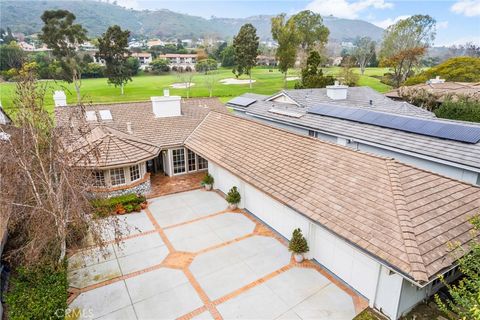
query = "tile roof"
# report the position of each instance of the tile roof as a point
(402, 215)
(103, 146)
(448, 150)
(163, 132)
(358, 97)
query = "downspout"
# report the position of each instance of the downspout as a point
(372, 303)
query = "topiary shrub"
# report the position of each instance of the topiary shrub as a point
(37, 293)
(233, 196)
(298, 244)
(207, 180)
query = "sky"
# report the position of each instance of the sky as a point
(458, 21)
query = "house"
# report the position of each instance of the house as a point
(440, 89)
(123, 144)
(328, 114)
(263, 60)
(25, 46)
(177, 61)
(145, 58)
(379, 225)
(155, 42)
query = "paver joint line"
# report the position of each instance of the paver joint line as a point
(181, 261)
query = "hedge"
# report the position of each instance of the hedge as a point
(107, 206)
(39, 293)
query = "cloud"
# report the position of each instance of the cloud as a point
(469, 8)
(389, 21)
(442, 25)
(346, 9)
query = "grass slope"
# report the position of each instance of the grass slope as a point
(145, 86)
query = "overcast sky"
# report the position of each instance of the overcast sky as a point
(458, 21)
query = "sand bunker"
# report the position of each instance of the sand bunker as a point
(292, 78)
(235, 81)
(182, 85)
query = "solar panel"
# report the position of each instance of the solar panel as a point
(427, 127)
(241, 101)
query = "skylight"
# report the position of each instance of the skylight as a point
(105, 115)
(90, 116)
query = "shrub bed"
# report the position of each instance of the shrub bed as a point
(119, 205)
(39, 293)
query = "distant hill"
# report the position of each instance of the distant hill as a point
(96, 17)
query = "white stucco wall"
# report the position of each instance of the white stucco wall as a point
(381, 287)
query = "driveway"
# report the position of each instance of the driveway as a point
(186, 256)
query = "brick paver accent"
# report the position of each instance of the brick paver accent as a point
(182, 260)
(162, 185)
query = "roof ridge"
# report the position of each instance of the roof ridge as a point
(414, 256)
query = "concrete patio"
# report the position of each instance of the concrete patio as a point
(188, 257)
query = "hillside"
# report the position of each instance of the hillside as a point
(24, 16)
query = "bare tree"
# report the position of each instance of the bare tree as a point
(46, 199)
(210, 79)
(186, 78)
(363, 52)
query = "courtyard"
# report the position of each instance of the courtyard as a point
(188, 257)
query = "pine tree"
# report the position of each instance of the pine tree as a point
(245, 46)
(298, 244)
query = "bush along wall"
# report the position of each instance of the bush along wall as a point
(119, 205)
(37, 293)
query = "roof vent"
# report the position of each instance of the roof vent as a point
(337, 91)
(91, 116)
(105, 115)
(60, 99)
(436, 80)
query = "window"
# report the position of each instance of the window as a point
(311, 133)
(178, 160)
(134, 172)
(117, 176)
(99, 179)
(202, 163)
(192, 166)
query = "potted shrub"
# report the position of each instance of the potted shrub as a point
(207, 182)
(119, 209)
(233, 198)
(298, 245)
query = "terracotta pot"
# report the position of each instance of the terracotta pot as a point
(298, 257)
(208, 187)
(232, 206)
(144, 205)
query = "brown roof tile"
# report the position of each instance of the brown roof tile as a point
(400, 214)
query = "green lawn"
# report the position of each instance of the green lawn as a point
(144, 86)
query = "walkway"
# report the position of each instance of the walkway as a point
(186, 257)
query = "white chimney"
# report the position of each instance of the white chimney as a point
(436, 80)
(60, 99)
(166, 106)
(337, 91)
(129, 128)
